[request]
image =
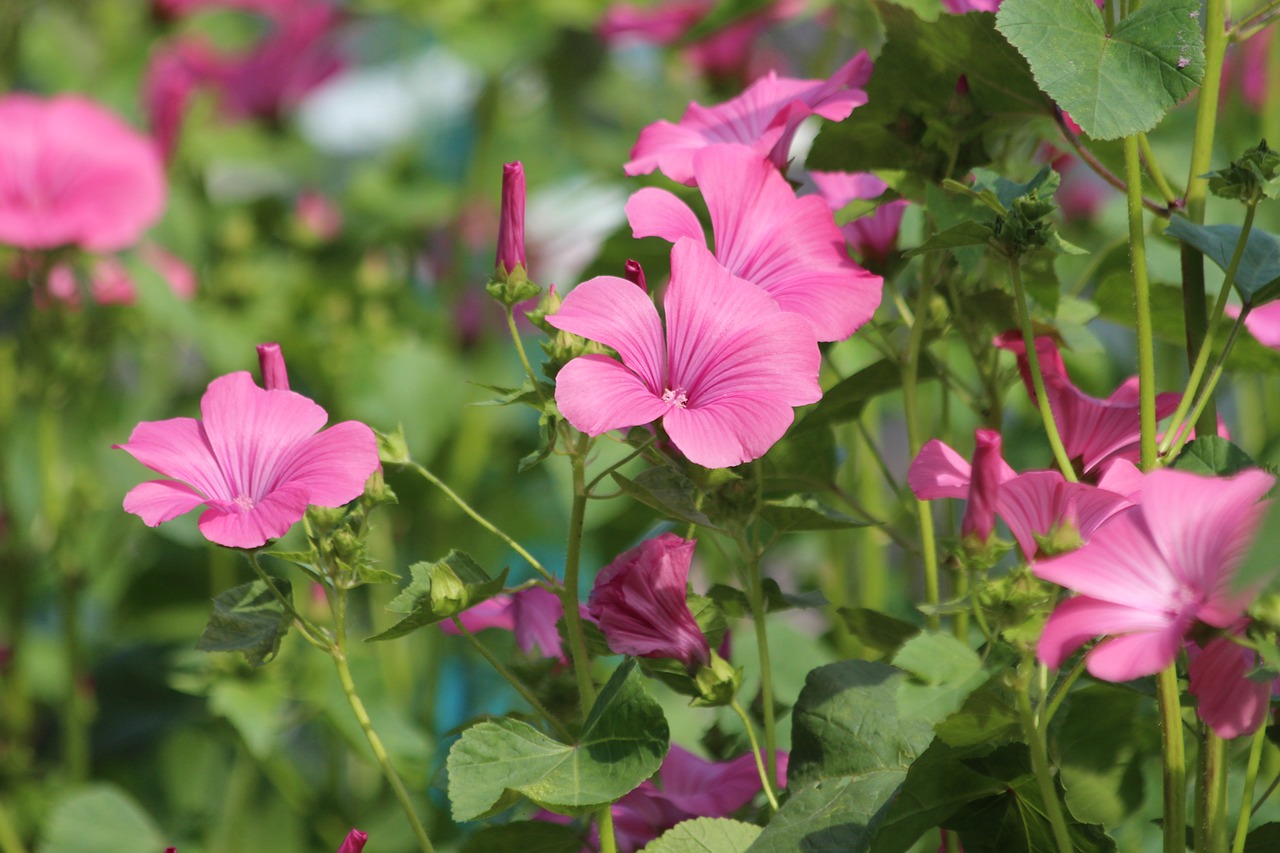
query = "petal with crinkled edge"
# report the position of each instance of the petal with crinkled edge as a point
(657, 213)
(1078, 620)
(1229, 701)
(178, 448)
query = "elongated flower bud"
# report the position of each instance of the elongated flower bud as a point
(354, 842)
(635, 274)
(980, 512)
(271, 362)
(511, 225)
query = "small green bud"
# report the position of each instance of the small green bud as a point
(512, 288)
(1251, 178)
(717, 682)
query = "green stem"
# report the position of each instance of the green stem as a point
(569, 592)
(1255, 16)
(1060, 694)
(1206, 395)
(604, 822)
(524, 359)
(1153, 169)
(911, 413)
(309, 632)
(1213, 791)
(765, 781)
(1175, 762)
(1256, 747)
(519, 685)
(339, 655)
(755, 598)
(481, 520)
(1206, 343)
(1142, 300)
(1037, 375)
(595, 481)
(1044, 773)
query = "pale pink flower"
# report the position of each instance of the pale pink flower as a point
(530, 614)
(1229, 702)
(354, 842)
(874, 236)
(256, 461)
(723, 379)
(72, 173)
(176, 272)
(1153, 571)
(788, 246)
(1246, 68)
(639, 603)
(511, 223)
(764, 118)
(1262, 322)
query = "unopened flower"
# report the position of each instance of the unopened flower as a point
(511, 224)
(639, 601)
(988, 467)
(72, 173)
(723, 378)
(275, 376)
(354, 842)
(255, 461)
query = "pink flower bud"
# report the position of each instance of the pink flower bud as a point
(635, 274)
(511, 225)
(984, 488)
(354, 842)
(317, 217)
(639, 602)
(271, 361)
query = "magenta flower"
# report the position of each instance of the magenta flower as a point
(723, 379)
(984, 489)
(72, 173)
(1229, 702)
(764, 118)
(1153, 571)
(531, 614)
(511, 224)
(875, 235)
(256, 461)
(639, 602)
(788, 246)
(354, 842)
(275, 376)
(1093, 431)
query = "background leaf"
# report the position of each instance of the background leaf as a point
(1258, 276)
(248, 619)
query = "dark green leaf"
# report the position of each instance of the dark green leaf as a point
(804, 460)
(733, 602)
(622, 743)
(439, 590)
(528, 394)
(668, 491)
(1113, 84)
(527, 836)
(249, 619)
(1258, 276)
(987, 719)
(705, 835)
(844, 402)
(547, 443)
(877, 630)
(806, 512)
(1213, 456)
(955, 237)
(1263, 839)
(944, 672)
(1104, 734)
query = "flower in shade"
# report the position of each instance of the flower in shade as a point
(511, 224)
(723, 379)
(531, 614)
(639, 602)
(72, 173)
(354, 842)
(1153, 571)
(874, 236)
(764, 118)
(788, 246)
(255, 461)
(1229, 702)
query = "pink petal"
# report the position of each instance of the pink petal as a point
(839, 188)
(938, 471)
(334, 464)
(1228, 701)
(536, 611)
(712, 788)
(731, 432)
(269, 518)
(657, 213)
(1120, 564)
(597, 394)
(493, 612)
(1078, 620)
(158, 501)
(1136, 655)
(178, 448)
(618, 314)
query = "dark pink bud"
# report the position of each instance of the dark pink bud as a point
(511, 224)
(635, 274)
(639, 602)
(271, 360)
(354, 842)
(984, 487)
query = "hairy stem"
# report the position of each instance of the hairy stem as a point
(1142, 300)
(569, 592)
(1175, 761)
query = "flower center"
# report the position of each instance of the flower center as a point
(244, 503)
(677, 398)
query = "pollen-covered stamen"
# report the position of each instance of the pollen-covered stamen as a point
(244, 503)
(677, 398)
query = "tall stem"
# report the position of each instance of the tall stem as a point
(77, 711)
(1142, 300)
(1256, 746)
(569, 592)
(911, 412)
(1175, 761)
(604, 822)
(765, 781)
(1044, 774)
(339, 654)
(1213, 791)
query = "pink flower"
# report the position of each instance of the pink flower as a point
(988, 469)
(1246, 68)
(1093, 431)
(176, 272)
(354, 842)
(256, 462)
(788, 246)
(1262, 322)
(275, 376)
(111, 283)
(1153, 571)
(174, 74)
(511, 224)
(959, 7)
(1229, 702)
(72, 173)
(531, 614)
(318, 218)
(639, 602)
(874, 236)
(723, 379)
(764, 118)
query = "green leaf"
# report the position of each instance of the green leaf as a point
(803, 460)
(622, 743)
(1263, 839)
(527, 836)
(955, 237)
(806, 512)
(1213, 456)
(877, 630)
(1258, 276)
(914, 119)
(99, 818)
(850, 751)
(440, 590)
(705, 835)
(845, 401)
(668, 491)
(944, 672)
(1104, 735)
(1113, 84)
(987, 719)
(249, 619)
(527, 394)
(733, 602)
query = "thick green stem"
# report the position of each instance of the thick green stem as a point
(765, 781)
(1205, 399)
(569, 592)
(1213, 792)
(339, 655)
(1153, 169)
(1142, 300)
(755, 597)
(10, 841)
(1037, 374)
(1175, 761)
(604, 822)
(1256, 747)
(481, 520)
(1044, 773)
(513, 680)
(915, 440)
